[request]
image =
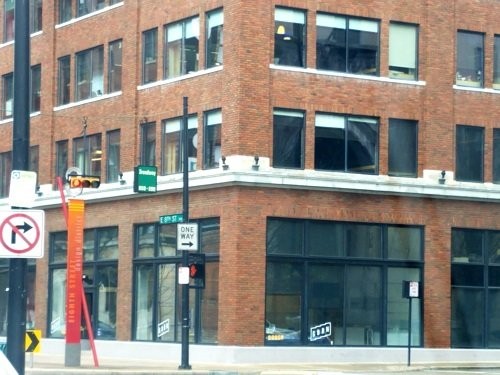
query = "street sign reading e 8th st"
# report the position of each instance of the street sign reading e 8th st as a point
(187, 237)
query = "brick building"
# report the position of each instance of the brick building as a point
(336, 149)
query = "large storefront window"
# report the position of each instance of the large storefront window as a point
(29, 282)
(475, 288)
(344, 277)
(100, 282)
(157, 295)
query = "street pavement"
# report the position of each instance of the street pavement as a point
(38, 363)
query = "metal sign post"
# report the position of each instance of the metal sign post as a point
(185, 256)
(411, 290)
(16, 316)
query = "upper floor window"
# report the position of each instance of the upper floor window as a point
(5, 171)
(148, 143)
(65, 10)
(496, 63)
(347, 44)
(35, 24)
(469, 153)
(173, 144)
(346, 143)
(35, 15)
(61, 158)
(81, 7)
(288, 144)
(214, 38)
(149, 55)
(87, 154)
(8, 20)
(7, 95)
(36, 74)
(496, 156)
(113, 156)
(403, 51)
(182, 47)
(115, 66)
(290, 37)
(89, 73)
(470, 59)
(64, 82)
(212, 139)
(403, 148)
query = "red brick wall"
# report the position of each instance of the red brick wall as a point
(247, 91)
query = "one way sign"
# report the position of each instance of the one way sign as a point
(187, 237)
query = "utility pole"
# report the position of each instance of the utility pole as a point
(16, 319)
(185, 256)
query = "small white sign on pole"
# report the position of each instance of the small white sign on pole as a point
(183, 275)
(22, 189)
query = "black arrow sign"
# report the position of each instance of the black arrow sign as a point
(187, 244)
(25, 227)
(34, 341)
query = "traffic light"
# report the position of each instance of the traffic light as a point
(197, 270)
(84, 181)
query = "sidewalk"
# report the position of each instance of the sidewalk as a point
(54, 365)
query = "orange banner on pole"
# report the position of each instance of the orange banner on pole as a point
(76, 213)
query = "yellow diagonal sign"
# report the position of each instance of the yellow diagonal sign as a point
(32, 341)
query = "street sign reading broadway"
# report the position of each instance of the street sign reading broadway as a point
(145, 180)
(21, 233)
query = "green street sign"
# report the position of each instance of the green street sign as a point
(145, 179)
(171, 219)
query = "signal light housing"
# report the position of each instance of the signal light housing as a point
(76, 181)
(197, 270)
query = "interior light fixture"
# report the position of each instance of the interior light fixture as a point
(281, 30)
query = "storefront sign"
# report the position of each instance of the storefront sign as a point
(76, 213)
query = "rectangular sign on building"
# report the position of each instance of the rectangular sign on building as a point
(145, 179)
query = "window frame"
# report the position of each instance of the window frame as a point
(173, 150)
(64, 80)
(279, 159)
(88, 150)
(212, 138)
(214, 51)
(463, 78)
(7, 96)
(35, 88)
(399, 72)
(148, 143)
(283, 38)
(345, 122)
(302, 257)
(149, 56)
(463, 168)
(89, 72)
(176, 67)
(349, 65)
(113, 155)
(154, 258)
(115, 62)
(408, 170)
